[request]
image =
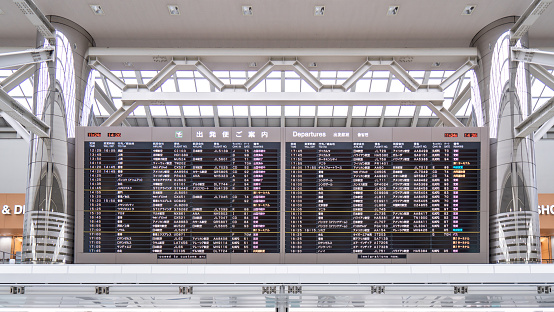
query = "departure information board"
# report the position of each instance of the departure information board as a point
(282, 195)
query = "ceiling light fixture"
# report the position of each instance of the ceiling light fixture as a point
(319, 10)
(173, 9)
(393, 10)
(469, 9)
(252, 64)
(97, 9)
(127, 64)
(312, 64)
(436, 64)
(247, 10)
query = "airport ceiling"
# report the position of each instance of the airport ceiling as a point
(282, 24)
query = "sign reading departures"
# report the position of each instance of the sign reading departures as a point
(281, 195)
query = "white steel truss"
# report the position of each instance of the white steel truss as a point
(144, 93)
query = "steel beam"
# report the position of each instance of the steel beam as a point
(20, 114)
(542, 74)
(356, 75)
(307, 76)
(533, 56)
(259, 76)
(529, 17)
(106, 102)
(119, 116)
(458, 102)
(534, 121)
(94, 63)
(23, 73)
(36, 18)
(401, 74)
(147, 110)
(208, 74)
(23, 133)
(162, 76)
(220, 55)
(541, 132)
(32, 56)
(281, 98)
(447, 117)
(459, 73)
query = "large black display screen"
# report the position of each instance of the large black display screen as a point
(281, 195)
(383, 197)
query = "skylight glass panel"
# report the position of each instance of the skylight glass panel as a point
(221, 74)
(373, 111)
(5, 73)
(358, 111)
(225, 111)
(129, 74)
(340, 111)
(273, 85)
(130, 80)
(425, 112)
(292, 110)
(307, 111)
(396, 86)
(173, 111)
(381, 74)
(186, 85)
(437, 74)
(305, 87)
(434, 81)
(257, 111)
(292, 85)
(99, 109)
(240, 110)
(206, 111)
(447, 103)
(158, 110)
(139, 111)
(192, 111)
(417, 73)
(328, 81)
(547, 92)
(237, 74)
(463, 111)
(378, 85)
(251, 73)
(114, 90)
(185, 73)
(325, 111)
(202, 85)
(274, 111)
(392, 110)
(148, 74)
(344, 73)
(328, 74)
(238, 81)
(274, 74)
(407, 111)
(363, 85)
(449, 92)
(260, 87)
(291, 74)
(540, 102)
(16, 92)
(169, 86)
(117, 103)
(537, 87)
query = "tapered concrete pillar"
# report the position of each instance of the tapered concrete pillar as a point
(505, 97)
(62, 100)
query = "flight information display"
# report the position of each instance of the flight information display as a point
(282, 195)
(182, 199)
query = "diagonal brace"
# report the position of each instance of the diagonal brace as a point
(26, 57)
(533, 122)
(19, 113)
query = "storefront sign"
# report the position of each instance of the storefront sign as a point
(16, 210)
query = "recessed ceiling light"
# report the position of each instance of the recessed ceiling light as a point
(97, 9)
(469, 9)
(247, 10)
(127, 64)
(173, 9)
(436, 64)
(319, 10)
(252, 64)
(393, 10)
(312, 64)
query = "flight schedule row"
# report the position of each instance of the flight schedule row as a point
(182, 197)
(382, 197)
